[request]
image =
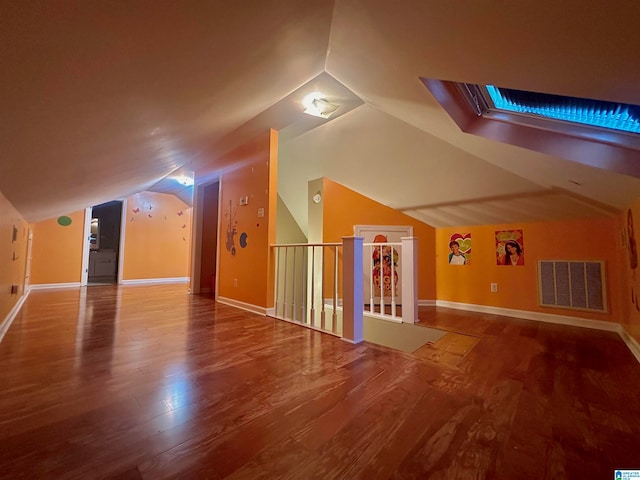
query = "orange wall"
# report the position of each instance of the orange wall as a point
(157, 238)
(57, 250)
(343, 208)
(588, 239)
(13, 255)
(630, 277)
(254, 176)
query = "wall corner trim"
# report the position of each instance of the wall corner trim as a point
(355, 341)
(631, 343)
(8, 320)
(243, 305)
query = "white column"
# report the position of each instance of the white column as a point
(352, 278)
(409, 279)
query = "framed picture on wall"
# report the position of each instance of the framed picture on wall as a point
(459, 249)
(382, 263)
(509, 247)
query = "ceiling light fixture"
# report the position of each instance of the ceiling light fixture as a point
(317, 105)
(184, 180)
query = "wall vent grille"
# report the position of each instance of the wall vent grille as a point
(572, 284)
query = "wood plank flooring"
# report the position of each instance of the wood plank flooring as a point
(142, 382)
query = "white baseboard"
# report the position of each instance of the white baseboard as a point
(243, 305)
(352, 342)
(426, 303)
(537, 316)
(150, 281)
(8, 320)
(631, 342)
(47, 286)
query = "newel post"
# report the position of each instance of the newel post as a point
(409, 279)
(352, 282)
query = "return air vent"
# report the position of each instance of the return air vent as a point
(572, 284)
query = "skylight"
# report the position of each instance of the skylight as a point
(598, 113)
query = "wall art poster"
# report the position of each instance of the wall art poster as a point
(509, 247)
(460, 249)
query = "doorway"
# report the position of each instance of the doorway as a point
(104, 243)
(204, 258)
(209, 251)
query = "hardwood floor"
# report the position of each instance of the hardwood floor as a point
(149, 382)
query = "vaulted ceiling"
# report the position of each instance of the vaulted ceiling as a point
(103, 99)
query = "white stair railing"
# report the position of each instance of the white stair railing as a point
(391, 277)
(321, 285)
(381, 264)
(306, 285)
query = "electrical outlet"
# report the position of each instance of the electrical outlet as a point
(494, 287)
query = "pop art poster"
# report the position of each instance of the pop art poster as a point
(509, 247)
(460, 249)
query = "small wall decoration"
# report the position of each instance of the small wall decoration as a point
(232, 228)
(64, 221)
(631, 239)
(243, 239)
(509, 247)
(460, 249)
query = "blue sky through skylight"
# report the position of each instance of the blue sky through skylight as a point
(616, 116)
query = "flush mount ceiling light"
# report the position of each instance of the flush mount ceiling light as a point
(317, 105)
(185, 180)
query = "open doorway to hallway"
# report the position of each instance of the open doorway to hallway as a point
(104, 243)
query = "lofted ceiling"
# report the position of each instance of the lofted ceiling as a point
(104, 99)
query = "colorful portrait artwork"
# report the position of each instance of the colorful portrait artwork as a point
(509, 247)
(385, 268)
(460, 249)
